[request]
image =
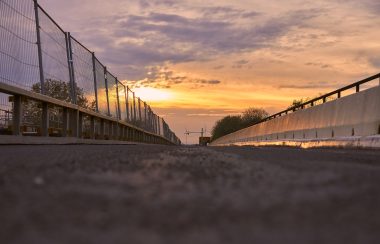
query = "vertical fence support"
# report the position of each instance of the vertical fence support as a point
(134, 107)
(158, 125)
(115, 130)
(118, 131)
(92, 127)
(108, 100)
(101, 134)
(45, 119)
(17, 115)
(74, 116)
(127, 104)
(71, 68)
(140, 116)
(65, 118)
(118, 110)
(146, 115)
(39, 48)
(151, 129)
(95, 83)
(109, 126)
(80, 124)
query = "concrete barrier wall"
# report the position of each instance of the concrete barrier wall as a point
(354, 115)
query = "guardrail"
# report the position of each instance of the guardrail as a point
(354, 115)
(41, 63)
(322, 98)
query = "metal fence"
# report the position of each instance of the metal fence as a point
(37, 55)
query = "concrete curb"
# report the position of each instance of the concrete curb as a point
(370, 142)
(29, 140)
(354, 115)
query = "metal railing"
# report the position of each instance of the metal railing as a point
(39, 57)
(323, 98)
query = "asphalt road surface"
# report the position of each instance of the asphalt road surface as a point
(160, 194)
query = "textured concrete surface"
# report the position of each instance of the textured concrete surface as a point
(159, 194)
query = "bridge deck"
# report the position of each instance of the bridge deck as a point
(161, 194)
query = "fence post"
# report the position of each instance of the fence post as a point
(45, 111)
(71, 68)
(45, 119)
(118, 100)
(127, 103)
(92, 127)
(39, 48)
(140, 116)
(80, 124)
(65, 121)
(101, 135)
(134, 107)
(17, 115)
(158, 125)
(150, 118)
(106, 81)
(95, 83)
(118, 110)
(74, 122)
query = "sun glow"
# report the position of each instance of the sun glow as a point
(150, 94)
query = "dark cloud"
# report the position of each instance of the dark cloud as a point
(227, 12)
(218, 67)
(240, 64)
(214, 36)
(157, 38)
(318, 64)
(309, 85)
(211, 82)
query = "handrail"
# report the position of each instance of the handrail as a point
(323, 98)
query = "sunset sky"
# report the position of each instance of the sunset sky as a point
(197, 61)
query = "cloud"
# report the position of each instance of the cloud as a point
(309, 85)
(228, 12)
(240, 64)
(157, 38)
(218, 67)
(162, 77)
(318, 64)
(372, 6)
(374, 61)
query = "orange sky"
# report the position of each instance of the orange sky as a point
(197, 61)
